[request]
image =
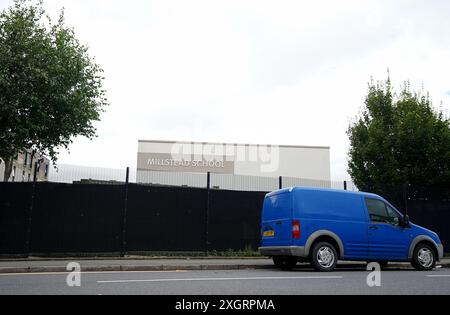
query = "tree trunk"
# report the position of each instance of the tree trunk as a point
(8, 169)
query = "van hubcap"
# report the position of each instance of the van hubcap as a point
(425, 257)
(325, 257)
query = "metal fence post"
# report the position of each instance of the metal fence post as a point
(345, 185)
(30, 213)
(280, 182)
(405, 197)
(208, 190)
(124, 218)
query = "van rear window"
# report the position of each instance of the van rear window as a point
(277, 206)
(280, 201)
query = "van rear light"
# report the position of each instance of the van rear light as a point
(296, 229)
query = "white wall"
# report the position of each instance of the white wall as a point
(154, 147)
(288, 161)
(300, 162)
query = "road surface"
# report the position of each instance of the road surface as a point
(231, 282)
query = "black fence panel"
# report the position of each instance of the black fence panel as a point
(235, 219)
(14, 212)
(89, 218)
(431, 212)
(433, 215)
(77, 218)
(166, 219)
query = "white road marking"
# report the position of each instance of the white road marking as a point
(438, 276)
(221, 279)
(84, 272)
(9, 267)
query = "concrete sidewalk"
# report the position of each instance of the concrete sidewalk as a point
(159, 264)
(164, 264)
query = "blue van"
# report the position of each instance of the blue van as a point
(323, 226)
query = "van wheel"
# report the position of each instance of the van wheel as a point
(324, 257)
(424, 258)
(285, 263)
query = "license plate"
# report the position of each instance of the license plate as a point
(269, 233)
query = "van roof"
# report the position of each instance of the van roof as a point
(324, 190)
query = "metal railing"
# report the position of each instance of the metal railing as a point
(73, 173)
(95, 175)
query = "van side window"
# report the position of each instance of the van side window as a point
(381, 212)
(394, 217)
(377, 211)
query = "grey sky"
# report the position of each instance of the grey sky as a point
(275, 72)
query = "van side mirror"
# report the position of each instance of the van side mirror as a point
(405, 221)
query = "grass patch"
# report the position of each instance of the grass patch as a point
(247, 252)
(231, 253)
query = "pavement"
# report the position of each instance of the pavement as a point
(249, 282)
(160, 264)
(39, 265)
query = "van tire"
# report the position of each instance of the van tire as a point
(329, 254)
(419, 263)
(285, 262)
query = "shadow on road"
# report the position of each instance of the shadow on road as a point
(350, 267)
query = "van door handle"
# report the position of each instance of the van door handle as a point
(279, 223)
(373, 227)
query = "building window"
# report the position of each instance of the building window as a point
(14, 173)
(29, 177)
(23, 176)
(25, 159)
(46, 170)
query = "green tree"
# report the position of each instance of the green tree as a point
(50, 88)
(399, 139)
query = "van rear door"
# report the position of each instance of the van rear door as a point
(277, 220)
